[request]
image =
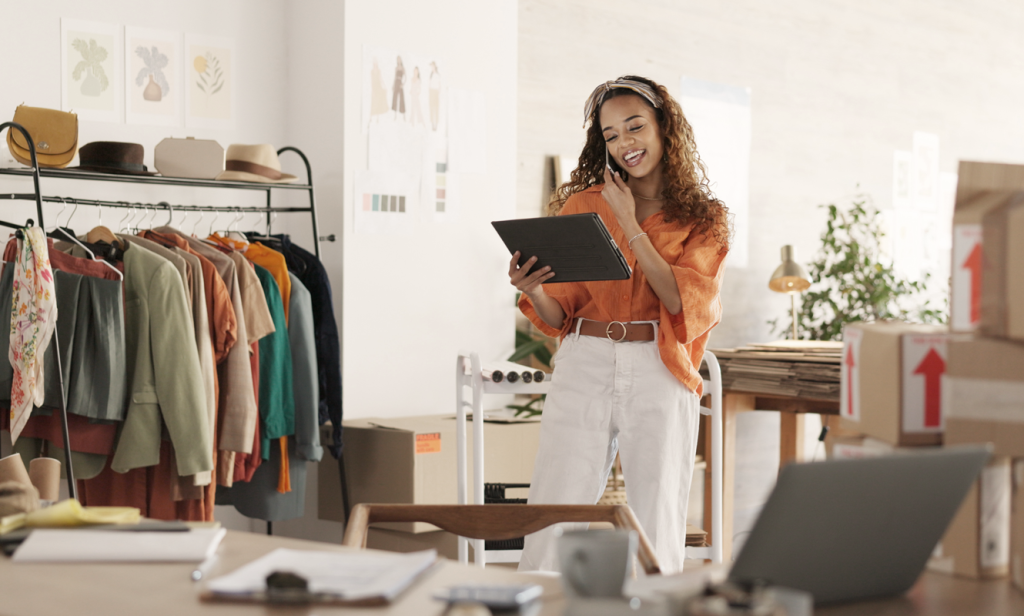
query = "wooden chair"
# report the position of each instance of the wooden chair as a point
(496, 522)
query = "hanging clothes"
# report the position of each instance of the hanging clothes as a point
(259, 498)
(190, 270)
(258, 324)
(162, 370)
(238, 412)
(312, 274)
(33, 320)
(272, 260)
(92, 352)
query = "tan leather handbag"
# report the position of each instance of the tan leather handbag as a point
(54, 132)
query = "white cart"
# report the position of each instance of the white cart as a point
(469, 374)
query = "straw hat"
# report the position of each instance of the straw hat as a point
(254, 163)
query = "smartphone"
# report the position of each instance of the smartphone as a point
(493, 596)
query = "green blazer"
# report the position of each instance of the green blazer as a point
(164, 378)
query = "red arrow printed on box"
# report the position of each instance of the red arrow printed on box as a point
(932, 367)
(973, 264)
(850, 365)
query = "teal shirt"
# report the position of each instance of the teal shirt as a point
(277, 398)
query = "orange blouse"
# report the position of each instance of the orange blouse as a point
(698, 264)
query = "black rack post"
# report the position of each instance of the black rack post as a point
(69, 471)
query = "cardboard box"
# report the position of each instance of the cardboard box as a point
(856, 448)
(891, 382)
(981, 187)
(446, 544)
(1002, 273)
(413, 460)
(983, 394)
(1017, 526)
(977, 542)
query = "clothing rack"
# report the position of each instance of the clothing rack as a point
(37, 197)
(269, 209)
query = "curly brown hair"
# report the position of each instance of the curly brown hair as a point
(688, 196)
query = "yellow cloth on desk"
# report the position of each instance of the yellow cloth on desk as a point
(70, 513)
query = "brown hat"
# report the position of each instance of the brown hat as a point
(112, 157)
(254, 163)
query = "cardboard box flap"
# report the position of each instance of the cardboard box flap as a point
(974, 177)
(986, 358)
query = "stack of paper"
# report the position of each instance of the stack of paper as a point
(802, 368)
(84, 545)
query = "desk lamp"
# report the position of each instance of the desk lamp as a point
(790, 278)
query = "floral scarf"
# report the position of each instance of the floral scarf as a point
(33, 318)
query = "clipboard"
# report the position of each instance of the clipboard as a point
(297, 577)
(578, 247)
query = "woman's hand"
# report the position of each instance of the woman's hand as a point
(547, 307)
(527, 282)
(619, 198)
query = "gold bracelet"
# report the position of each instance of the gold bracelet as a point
(630, 242)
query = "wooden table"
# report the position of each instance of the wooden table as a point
(157, 589)
(938, 594)
(792, 412)
(153, 589)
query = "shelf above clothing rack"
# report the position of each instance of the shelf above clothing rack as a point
(157, 180)
(153, 180)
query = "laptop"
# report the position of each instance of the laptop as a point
(848, 530)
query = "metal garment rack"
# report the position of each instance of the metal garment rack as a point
(72, 174)
(37, 197)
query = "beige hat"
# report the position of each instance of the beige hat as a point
(254, 163)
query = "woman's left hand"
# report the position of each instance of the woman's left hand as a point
(620, 198)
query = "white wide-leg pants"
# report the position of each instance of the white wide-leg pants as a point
(609, 397)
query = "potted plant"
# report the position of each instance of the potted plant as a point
(852, 280)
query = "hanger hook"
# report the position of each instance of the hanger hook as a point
(198, 220)
(122, 226)
(67, 223)
(170, 211)
(212, 222)
(56, 219)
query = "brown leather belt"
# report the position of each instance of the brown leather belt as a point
(617, 331)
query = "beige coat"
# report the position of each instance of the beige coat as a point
(163, 370)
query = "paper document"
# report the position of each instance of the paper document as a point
(348, 576)
(69, 513)
(51, 545)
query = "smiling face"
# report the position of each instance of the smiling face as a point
(632, 134)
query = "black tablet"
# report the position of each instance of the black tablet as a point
(578, 247)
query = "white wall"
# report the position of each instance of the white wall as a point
(836, 87)
(31, 75)
(411, 302)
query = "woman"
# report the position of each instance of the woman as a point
(626, 377)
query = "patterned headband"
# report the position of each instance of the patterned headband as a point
(597, 96)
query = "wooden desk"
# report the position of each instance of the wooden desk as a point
(937, 594)
(792, 411)
(157, 589)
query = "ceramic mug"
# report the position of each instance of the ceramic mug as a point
(596, 563)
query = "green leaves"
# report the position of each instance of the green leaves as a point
(527, 346)
(851, 280)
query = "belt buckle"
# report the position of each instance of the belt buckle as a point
(608, 331)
